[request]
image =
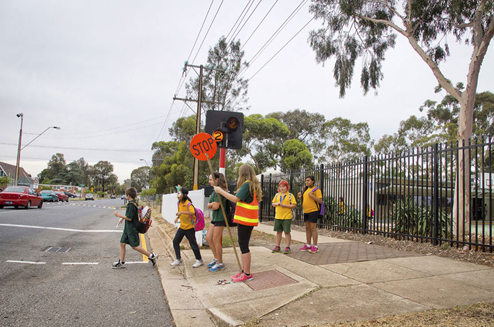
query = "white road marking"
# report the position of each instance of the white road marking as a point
(28, 262)
(134, 262)
(65, 229)
(79, 263)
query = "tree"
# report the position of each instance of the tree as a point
(183, 129)
(346, 141)
(295, 155)
(74, 175)
(367, 29)
(55, 169)
(140, 177)
(103, 170)
(303, 126)
(222, 87)
(262, 141)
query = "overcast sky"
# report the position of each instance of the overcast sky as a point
(105, 72)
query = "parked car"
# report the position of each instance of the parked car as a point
(113, 196)
(62, 196)
(122, 197)
(70, 195)
(20, 196)
(89, 196)
(49, 195)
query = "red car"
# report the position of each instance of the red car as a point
(62, 196)
(20, 196)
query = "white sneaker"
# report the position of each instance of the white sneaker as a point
(198, 263)
(175, 263)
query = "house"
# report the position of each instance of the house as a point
(9, 170)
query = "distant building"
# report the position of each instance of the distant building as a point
(9, 170)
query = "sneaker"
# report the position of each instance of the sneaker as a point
(217, 267)
(314, 249)
(153, 258)
(212, 263)
(305, 248)
(198, 263)
(175, 263)
(237, 275)
(118, 265)
(287, 250)
(243, 278)
(276, 249)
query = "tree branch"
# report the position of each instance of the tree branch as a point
(385, 22)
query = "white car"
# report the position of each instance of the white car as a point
(89, 196)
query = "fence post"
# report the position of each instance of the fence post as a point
(262, 202)
(365, 195)
(435, 198)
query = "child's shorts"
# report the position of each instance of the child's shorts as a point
(282, 225)
(131, 239)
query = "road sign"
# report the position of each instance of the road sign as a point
(218, 136)
(201, 145)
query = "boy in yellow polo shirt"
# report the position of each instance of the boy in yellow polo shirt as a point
(284, 202)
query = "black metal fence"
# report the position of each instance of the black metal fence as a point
(417, 195)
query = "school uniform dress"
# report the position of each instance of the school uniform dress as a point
(130, 234)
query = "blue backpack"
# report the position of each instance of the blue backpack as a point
(322, 209)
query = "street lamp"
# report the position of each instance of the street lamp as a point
(19, 147)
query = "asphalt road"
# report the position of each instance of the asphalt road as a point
(78, 287)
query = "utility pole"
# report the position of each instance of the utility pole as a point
(198, 115)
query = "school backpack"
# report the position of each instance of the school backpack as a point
(230, 212)
(198, 222)
(143, 218)
(322, 209)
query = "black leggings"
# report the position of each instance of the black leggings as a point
(191, 236)
(244, 233)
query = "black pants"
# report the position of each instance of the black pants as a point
(191, 236)
(244, 233)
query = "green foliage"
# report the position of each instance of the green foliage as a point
(4, 180)
(140, 177)
(222, 87)
(346, 141)
(295, 155)
(183, 129)
(411, 218)
(45, 187)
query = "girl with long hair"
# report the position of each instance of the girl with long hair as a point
(215, 229)
(186, 214)
(311, 199)
(247, 197)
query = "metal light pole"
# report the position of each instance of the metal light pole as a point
(21, 115)
(19, 148)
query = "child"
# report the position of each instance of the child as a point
(284, 202)
(186, 215)
(215, 230)
(130, 234)
(247, 198)
(311, 201)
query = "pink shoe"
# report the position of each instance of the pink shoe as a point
(243, 278)
(314, 249)
(237, 275)
(305, 248)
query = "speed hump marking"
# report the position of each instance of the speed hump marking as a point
(203, 144)
(218, 136)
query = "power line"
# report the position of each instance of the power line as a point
(259, 24)
(241, 18)
(210, 25)
(281, 48)
(73, 148)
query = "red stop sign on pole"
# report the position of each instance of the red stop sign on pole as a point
(203, 144)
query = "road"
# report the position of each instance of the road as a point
(77, 287)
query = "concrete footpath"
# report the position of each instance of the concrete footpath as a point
(345, 281)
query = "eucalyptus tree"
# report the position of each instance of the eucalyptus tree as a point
(368, 28)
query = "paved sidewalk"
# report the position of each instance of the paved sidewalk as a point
(345, 281)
